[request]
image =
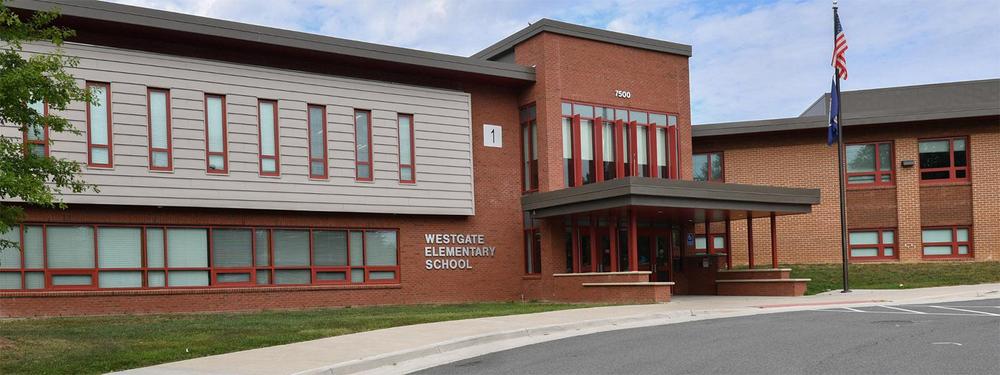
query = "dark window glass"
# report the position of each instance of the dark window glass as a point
(700, 166)
(860, 158)
(934, 154)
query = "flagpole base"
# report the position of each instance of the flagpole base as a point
(845, 291)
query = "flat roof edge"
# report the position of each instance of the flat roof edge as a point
(185, 23)
(564, 28)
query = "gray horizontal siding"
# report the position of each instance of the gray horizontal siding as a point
(442, 125)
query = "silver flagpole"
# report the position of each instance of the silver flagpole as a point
(840, 163)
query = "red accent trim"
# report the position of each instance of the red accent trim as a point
(531, 185)
(325, 160)
(598, 127)
(620, 149)
(774, 241)
(90, 145)
(634, 147)
(952, 169)
(880, 246)
(369, 163)
(633, 239)
(729, 242)
(577, 152)
(225, 138)
(277, 141)
(413, 151)
(169, 132)
(955, 243)
(749, 238)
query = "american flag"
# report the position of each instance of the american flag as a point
(839, 47)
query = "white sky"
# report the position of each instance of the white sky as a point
(752, 59)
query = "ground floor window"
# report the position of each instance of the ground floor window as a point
(947, 242)
(870, 244)
(140, 257)
(716, 246)
(532, 245)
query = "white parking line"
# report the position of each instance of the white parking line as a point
(902, 309)
(971, 311)
(850, 310)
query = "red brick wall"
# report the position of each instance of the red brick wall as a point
(871, 208)
(498, 217)
(945, 205)
(575, 69)
(802, 159)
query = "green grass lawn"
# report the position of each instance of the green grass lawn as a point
(101, 344)
(897, 275)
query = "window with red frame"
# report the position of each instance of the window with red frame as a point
(717, 246)
(407, 149)
(99, 134)
(36, 138)
(217, 152)
(363, 143)
(602, 143)
(944, 159)
(269, 141)
(529, 149)
(869, 164)
(317, 142)
(707, 167)
(872, 244)
(82, 257)
(160, 147)
(947, 242)
(532, 245)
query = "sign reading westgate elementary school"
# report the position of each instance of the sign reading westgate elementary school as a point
(454, 251)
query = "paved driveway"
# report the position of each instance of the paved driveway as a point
(943, 338)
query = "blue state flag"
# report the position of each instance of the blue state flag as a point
(834, 128)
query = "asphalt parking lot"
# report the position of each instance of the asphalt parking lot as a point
(942, 338)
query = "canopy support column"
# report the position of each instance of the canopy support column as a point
(774, 241)
(633, 241)
(729, 243)
(750, 238)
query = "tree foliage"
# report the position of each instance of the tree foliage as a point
(31, 78)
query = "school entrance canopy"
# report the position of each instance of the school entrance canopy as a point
(633, 226)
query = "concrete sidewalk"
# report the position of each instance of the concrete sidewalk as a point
(410, 348)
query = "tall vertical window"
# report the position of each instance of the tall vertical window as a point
(945, 242)
(99, 133)
(363, 143)
(532, 245)
(407, 170)
(603, 143)
(707, 167)
(869, 164)
(317, 142)
(661, 125)
(529, 149)
(216, 152)
(569, 172)
(872, 244)
(160, 148)
(609, 168)
(267, 117)
(944, 159)
(36, 138)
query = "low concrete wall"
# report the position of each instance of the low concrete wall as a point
(762, 287)
(613, 287)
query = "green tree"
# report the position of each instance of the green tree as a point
(34, 178)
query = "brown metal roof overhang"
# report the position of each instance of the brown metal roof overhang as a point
(119, 18)
(657, 192)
